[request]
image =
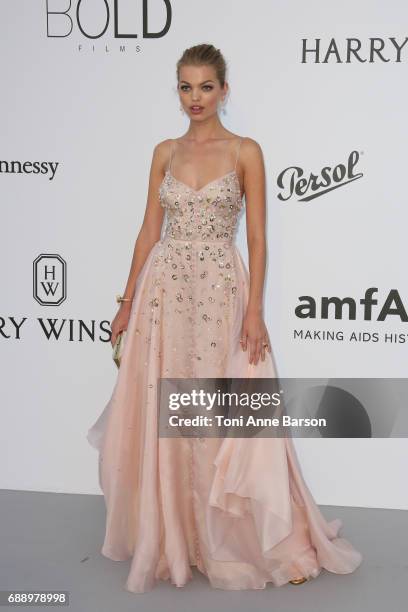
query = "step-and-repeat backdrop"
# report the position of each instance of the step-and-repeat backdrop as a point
(88, 89)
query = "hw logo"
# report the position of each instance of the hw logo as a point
(49, 280)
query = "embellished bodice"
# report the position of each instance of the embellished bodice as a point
(208, 214)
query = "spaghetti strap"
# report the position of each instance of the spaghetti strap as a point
(238, 148)
(171, 155)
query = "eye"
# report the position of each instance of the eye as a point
(205, 87)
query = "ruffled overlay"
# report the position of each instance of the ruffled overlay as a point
(237, 508)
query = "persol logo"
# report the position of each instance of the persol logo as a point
(49, 280)
(293, 184)
(346, 307)
(375, 49)
(93, 18)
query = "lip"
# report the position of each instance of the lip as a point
(196, 108)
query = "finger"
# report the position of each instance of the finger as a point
(249, 351)
(257, 350)
(243, 341)
(115, 336)
(265, 348)
(252, 344)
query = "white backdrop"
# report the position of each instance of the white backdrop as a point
(80, 119)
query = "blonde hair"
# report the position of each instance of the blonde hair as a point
(204, 55)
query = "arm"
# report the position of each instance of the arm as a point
(148, 235)
(150, 230)
(254, 330)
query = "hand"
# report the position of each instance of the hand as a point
(121, 320)
(254, 333)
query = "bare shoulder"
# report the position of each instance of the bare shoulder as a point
(250, 148)
(164, 145)
(161, 152)
(251, 155)
(162, 148)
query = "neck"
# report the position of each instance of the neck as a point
(208, 129)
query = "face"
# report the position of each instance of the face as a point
(200, 91)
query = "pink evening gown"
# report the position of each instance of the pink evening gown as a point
(237, 508)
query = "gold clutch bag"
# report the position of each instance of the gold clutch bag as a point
(118, 347)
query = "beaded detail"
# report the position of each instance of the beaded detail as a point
(210, 213)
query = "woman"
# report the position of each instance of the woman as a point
(239, 508)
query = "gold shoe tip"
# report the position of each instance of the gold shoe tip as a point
(298, 580)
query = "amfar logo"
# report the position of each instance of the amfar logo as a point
(93, 18)
(292, 184)
(391, 306)
(49, 280)
(349, 51)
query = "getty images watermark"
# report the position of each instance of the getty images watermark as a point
(284, 407)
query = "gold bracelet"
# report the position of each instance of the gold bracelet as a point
(119, 299)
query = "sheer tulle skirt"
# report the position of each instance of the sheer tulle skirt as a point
(237, 508)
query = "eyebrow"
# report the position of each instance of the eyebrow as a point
(207, 81)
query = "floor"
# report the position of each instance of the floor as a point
(52, 541)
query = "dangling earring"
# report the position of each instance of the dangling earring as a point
(222, 106)
(182, 110)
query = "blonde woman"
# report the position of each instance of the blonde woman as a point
(236, 508)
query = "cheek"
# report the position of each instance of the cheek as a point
(212, 99)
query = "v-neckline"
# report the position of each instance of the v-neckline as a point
(219, 178)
